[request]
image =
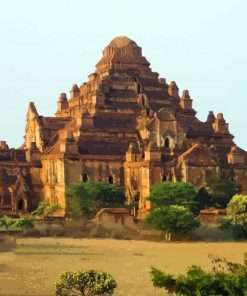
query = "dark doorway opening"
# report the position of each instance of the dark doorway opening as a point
(164, 178)
(167, 143)
(110, 179)
(84, 178)
(20, 205)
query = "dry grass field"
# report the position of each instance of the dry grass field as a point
(34, 265)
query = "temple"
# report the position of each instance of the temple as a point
(126, 126)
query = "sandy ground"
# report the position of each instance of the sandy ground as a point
(35, 265)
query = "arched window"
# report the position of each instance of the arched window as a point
(84, 178)
(167, 143)
(110, 179)
(20, 205)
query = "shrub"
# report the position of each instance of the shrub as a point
(85, 283)
(226, 279)
(172, 193)
(85, 199)
(217, 193)
(236, 216)
(7, 222)
(46, 210)
(172, 219)
(24, 223)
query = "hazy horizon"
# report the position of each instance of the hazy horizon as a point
(47, 46)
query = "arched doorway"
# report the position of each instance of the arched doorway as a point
(20, 205)
(84, 178)
(164, 178)
(167, 143)
(110, 179)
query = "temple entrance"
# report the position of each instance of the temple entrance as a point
(167, 143)
(136, 205)
(84, 178)
(20, 205)
(110, 179)
(164, 178)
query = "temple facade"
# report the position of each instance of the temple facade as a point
(126, 126)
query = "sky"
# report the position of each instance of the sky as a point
(48, 45)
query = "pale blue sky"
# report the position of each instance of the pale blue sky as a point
(47, 45)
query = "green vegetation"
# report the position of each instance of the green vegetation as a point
(172, 193)
(237, 210)
(226, 279)
(7, 222)
(46, 210)
(85, 283)
(217, 193)
(24, 223)
(172, 219)
(236, 216)
(85, 199)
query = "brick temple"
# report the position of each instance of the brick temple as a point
(126, 126)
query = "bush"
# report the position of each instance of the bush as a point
(236, 216)
(46, 210)
(217, 193)
(225, 279)
(85, 283)
(172, 193)
(24, 223)
(85, 199)
(7, 222)
(172, 219)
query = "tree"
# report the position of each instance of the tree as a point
(237, 210)
(203, 199)
(218, 193)
(85, 199)
(226, 279)
(24, 223)
(85, 283)
(172, 219)
(172, 193)
(236, 216)
(6, 222)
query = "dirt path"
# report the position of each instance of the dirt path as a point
(34, 266)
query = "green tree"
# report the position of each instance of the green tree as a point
(217, 193)
(172, 220)
(172, 193)
(85, 199)
(237, 210)
(225, 279)
(236, 216)
(85, 283)
(7, 222)
(24, 223)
